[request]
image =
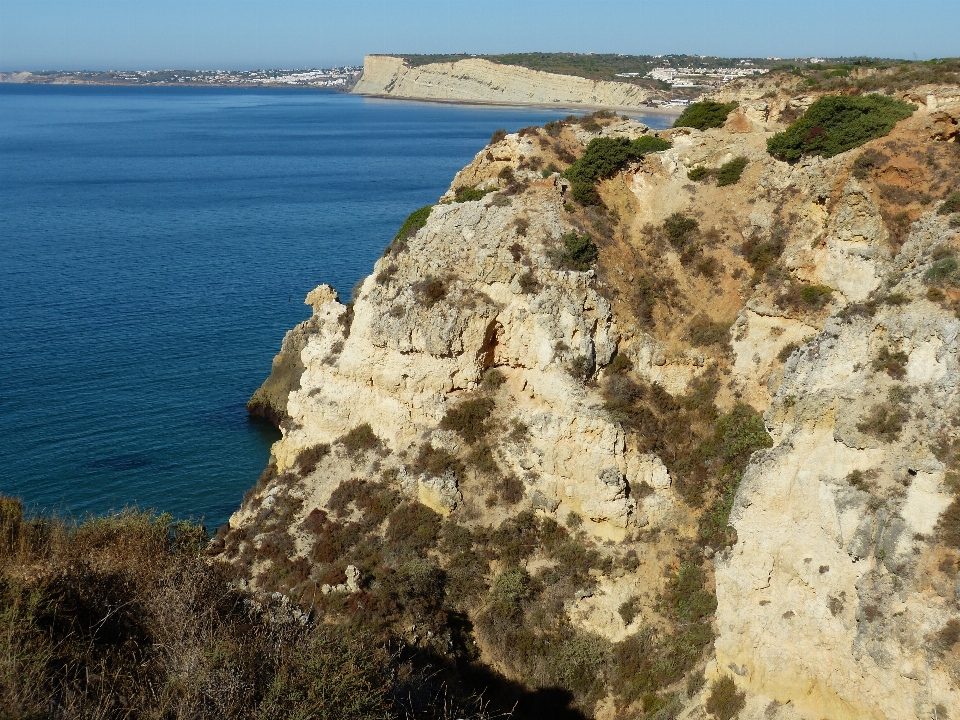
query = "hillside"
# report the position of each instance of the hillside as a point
(560, 367)
(629, 424)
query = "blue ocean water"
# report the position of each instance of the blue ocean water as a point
(155, 245)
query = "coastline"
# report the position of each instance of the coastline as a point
(625, 109)
(559, 106)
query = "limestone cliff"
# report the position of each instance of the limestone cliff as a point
(482, 81)
(488, 371)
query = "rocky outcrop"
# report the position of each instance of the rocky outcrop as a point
(482, 81)
(836, 615)
(398, 360)
(805, 293)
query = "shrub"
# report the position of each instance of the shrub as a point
(764, 254)
(308, 458)
(629, 609)
(359, 440)
(511, 490)
(528, 282)
(497, 136)
(704, 332)
(741, 432)
(786, 351)
(678, 228)
(483, 460)
(868, 161)
(581, 367)
(605, 156)
(414, 527)
(436, 462)
(430, 290)
(554, 128)
(123, 619)
(699, 173)
(468, 194)
(584, 193)
(695, 683)
(492, 380)
(948, 525)
(950, 205)
(706, 114)
(469, 418)
(944, 269)
(893, 363)
(416, 220)
(577, 254)
(620, 364)
(948, 636)
(724, 701)
(510, 589)
(729, 173)
(836, 123)
(816, 295)
(884, 421)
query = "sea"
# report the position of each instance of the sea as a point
(155, 246)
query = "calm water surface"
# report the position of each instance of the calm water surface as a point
(155, 245)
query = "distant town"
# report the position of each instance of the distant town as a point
(337, 77)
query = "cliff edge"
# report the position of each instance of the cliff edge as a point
(678, 435)
(481, 81)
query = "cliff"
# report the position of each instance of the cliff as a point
(546, 415)
(482, 81)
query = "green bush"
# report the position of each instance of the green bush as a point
(741, 432)
(416, 220)
(678, 228)
(468, 194)
(605, 156)
(884, 421)
(704, 332)
(786, 351)
(729, 173)
(359, 440)
(837, 123)
(510, 589)
(892, 363)
(943, 270)
(817, 295)
(950, 205)
(699, 173)
(724, 701)
(469, 418)
(577, 254)
(706, 114)
(948, 526)
(414, 527)
(308, 458)
(584, 193)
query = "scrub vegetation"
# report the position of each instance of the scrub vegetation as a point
(837, 123)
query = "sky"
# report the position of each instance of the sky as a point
(251, 34)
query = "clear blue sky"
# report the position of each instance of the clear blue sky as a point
(245, 34)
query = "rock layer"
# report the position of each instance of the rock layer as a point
(477, 80)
